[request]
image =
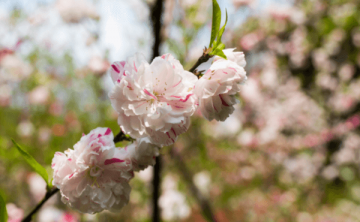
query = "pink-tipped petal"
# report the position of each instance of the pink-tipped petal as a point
(115, 68)
(113, 160)
(108, 131)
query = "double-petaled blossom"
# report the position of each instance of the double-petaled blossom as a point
(153, 100)
(237, 57)
(216, 89)
(94, 175)
(142, 154)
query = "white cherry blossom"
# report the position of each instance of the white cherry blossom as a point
(142, 154)
(237, 57)
(153, 100)
(94, 175)
(216, 89)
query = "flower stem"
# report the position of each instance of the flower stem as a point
(48, 194)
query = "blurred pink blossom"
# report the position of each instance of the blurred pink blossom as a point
(44, 134)
(37, 186)
(356, 37)
(56, 108)
(25, 128)
(15, 214)
(74, 11)
(39, 96)
(98, 65)
(279, 12)
(346, 72)
(173, 202)
(203, 181)
(344, 156)
(52, 214)
(326, 81)
(342, 102)
(321, 60)
(330, 172)
(5, 94)
(250, 40)
(240, 3)
(4, 52)
(13, 68)
(145, 175)
(188, 3)
(67, 217)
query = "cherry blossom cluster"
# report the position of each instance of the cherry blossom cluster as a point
(154, 103)
(156, 100)
(95, 174)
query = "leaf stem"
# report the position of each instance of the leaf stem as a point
(48, 194)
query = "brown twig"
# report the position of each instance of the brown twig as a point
(204, 58)
(48, 194)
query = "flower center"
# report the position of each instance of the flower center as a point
(95, 171)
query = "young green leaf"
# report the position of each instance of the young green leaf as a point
(218, 45)
(215, 22)
(220, 53)
(221, 46)
(3, 212)
(221, 32)
(214, 45)
(33, 163)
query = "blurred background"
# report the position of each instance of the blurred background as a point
(290, 151)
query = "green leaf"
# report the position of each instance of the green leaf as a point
(33, 163)
(218, 45)
(215, 22)
(221, 46)
(3, 212)
(221, 32)
(214, 45)
(220, 53)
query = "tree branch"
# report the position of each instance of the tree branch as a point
(156, 182)
(48, 194)
(121, 137)
(204, 58)
(156, 13)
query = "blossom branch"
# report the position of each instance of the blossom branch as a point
(187, 175)
(204, 58)
(118, 138)
(121, 137)
(48, 194)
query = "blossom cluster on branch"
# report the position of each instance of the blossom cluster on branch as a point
(154, 103)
